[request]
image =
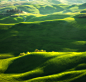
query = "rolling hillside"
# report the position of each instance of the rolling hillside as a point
(44, 67)
(62, 30)
(52, 1)
(66, 34)
(44, 43)
(35, 12)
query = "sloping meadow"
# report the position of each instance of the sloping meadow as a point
(67, 34)
(62, 32)
(44, 67)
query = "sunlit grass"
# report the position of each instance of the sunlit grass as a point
(53, 66)
(69, 19)
(60, 39)
(8, 24)
(79, 42)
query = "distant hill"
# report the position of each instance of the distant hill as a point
(82, 6)
(72, 1)
(36, 9)
(42, 9)
(53, 1)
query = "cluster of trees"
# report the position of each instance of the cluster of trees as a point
(36, 50)
(14, 11)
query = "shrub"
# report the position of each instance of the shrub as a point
(21, 54)
(36, 50)
(27, 52)
(52, 51)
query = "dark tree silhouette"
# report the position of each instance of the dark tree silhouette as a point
(14, 11)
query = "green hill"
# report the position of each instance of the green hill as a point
(39, 12)
(62, 30)
(36, 9)
(57, 33)
(50, 1)
(44, 67)
(42, 9)
(66, 34)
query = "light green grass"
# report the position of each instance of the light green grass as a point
(44, 67)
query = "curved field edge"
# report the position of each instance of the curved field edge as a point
(44, 67)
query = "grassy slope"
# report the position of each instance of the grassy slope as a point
(56, 32)
(63, 32)
(44, 67)
(67, 34)
(39, 11)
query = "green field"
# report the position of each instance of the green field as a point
(56, 28)
(44, 67)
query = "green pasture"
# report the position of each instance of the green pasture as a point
(54, 28)
(66, 34)
(42, 9)
(44, 67)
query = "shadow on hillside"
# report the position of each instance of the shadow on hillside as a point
(61, 64)
(49, 10)
(72, 6)
(5, 57)
(50, 65)
(29, 18)
(26, 63)
(2, 16)
(49, 36)
(12, 19)
(48, 17)
(83, 6)
(66, 11)
(80, 21)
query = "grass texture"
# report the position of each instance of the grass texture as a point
(66, 34)
(56, 28)
(44, 67)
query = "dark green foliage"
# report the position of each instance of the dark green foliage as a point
(65, 11)
(49, 9)
(83, 11)
(14, 11)
(50, 36)
(82, 6)
(16, 66)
